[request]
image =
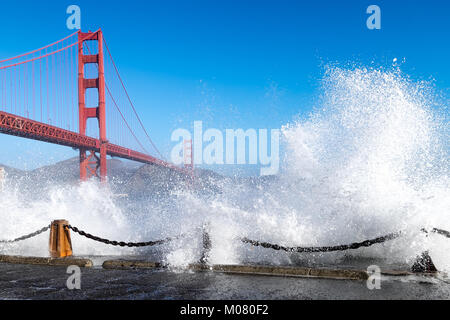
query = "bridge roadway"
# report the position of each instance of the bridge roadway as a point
(22, 127)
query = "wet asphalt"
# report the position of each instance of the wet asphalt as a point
(20, 282)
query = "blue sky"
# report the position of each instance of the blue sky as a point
(232, 64)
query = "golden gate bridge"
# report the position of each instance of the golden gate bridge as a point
(50, 94)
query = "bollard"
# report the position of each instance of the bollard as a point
(423, 264)
(60, 245)
(206, 245)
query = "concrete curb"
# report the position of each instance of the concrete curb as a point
(409, 273)
(250, 270)
(84, 263)
(129, 264)
(302, 272)
(287, 271)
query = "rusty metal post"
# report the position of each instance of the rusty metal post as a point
(60, 244)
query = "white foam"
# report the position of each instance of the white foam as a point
(87, 206)
(370, 159)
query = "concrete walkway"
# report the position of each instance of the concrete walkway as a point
(49, 282)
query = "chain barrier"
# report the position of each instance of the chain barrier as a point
(121, 243)
(255, 243)
(28, 236)
(444, 233)
(352, 246)
(267, 245)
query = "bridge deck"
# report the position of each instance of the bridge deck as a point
(30, 129)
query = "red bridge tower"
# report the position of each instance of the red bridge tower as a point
(90, 162)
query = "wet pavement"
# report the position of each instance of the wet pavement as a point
(49, 282)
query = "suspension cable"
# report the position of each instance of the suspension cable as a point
(129, 99)
(118, 109)
(45, 47)
(46, 55)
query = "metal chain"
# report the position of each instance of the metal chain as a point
(28, 236)
(351, 246)
(120, 243)
(267, 245)
(444, 233)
